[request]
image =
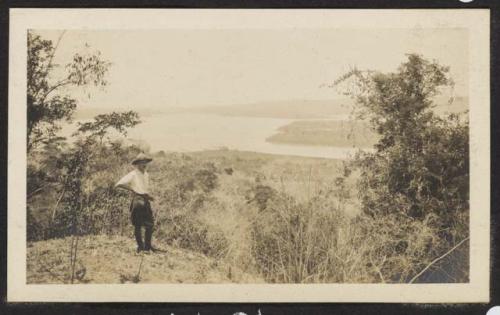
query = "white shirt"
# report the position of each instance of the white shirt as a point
(136, 180)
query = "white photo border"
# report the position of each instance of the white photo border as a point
(476, 21)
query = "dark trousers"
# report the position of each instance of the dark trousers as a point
(142, 215)
(148, 235)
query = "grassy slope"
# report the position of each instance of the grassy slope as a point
(113, 260)
(297, 176)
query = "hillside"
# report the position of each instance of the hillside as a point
(207, 203)
(221, 215)
(112, 259)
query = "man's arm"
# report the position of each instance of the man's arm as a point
(124, 182)
(126, 187)
(148, 197)
(122, 186)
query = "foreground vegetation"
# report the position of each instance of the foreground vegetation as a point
(278, 218)
(397, 214)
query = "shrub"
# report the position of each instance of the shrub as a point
(417, 180)
(100, 207)
(296, 242)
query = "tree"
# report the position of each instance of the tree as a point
(101, 124)
(415, 185)
(47, 104)
(78, 171)
(418, 155)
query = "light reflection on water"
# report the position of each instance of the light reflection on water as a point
(187, 132)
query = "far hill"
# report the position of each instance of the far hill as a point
(315, 109)
(293, 109)
(286, 109)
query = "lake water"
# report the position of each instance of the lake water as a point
(186, 132)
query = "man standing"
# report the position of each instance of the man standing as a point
(137, 181)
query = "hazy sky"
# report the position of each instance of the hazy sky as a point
(176, 68)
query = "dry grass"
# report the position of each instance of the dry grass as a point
(278, 219)
(113, 259)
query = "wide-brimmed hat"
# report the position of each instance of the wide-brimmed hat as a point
(141, 157)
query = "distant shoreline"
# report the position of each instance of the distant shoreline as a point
(335, 133)
(248, 154)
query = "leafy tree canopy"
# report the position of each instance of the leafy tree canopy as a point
(420, 164)
(102, 123)
(47, 102)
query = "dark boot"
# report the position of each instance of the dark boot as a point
(138, 238)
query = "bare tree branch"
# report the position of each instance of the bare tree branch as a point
(437, 259)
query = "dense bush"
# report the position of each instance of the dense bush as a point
(415, 187)
(102, 209)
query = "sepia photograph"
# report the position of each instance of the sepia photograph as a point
(218, 153)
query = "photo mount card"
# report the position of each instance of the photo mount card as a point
(248, 122)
